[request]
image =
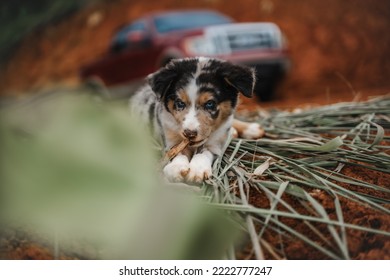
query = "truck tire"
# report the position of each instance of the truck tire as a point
(268, 77)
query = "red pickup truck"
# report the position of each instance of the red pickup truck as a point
(143, 46)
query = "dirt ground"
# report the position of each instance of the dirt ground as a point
(350, 64)
(361, 246)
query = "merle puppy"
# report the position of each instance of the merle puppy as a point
(195, 99)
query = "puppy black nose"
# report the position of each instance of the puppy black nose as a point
(190, 134)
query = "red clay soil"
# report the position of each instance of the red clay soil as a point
(361, 245)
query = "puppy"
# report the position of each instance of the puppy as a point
(195, 99)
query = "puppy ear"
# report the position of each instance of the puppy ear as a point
(242, 78)
(161, 80)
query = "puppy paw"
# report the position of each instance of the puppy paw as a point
(200, 169)
(233, 132)
(177, 169)
(253, 131)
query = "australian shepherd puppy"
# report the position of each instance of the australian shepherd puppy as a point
(195, 99)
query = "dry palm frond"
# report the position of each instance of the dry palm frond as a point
(304, 163)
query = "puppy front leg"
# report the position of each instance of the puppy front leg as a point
(177, 169)
(200, 167)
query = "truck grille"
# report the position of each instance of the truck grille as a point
(241, 37)
(247, 41)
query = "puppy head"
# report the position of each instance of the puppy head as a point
(201, 93)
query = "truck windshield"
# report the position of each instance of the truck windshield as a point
(188, 20)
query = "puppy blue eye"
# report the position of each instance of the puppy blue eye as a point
(210, 105)
(179, 105)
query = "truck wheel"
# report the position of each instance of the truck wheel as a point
(265, 88)
(268, 78)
